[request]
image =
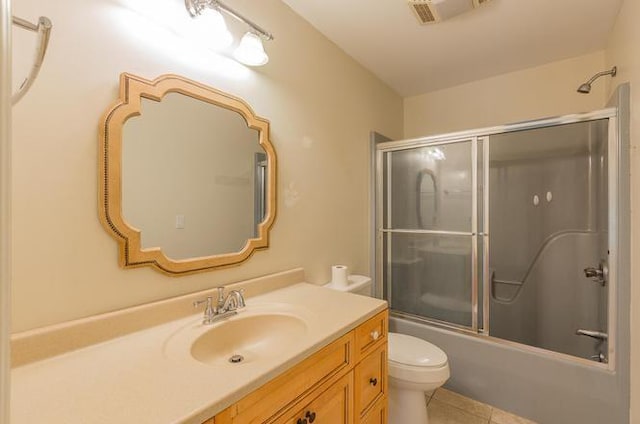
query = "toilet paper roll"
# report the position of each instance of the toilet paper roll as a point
(339, 274)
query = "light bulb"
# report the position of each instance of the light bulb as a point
(210, 30)
(251, 51)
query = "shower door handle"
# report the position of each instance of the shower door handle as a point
(593, 334)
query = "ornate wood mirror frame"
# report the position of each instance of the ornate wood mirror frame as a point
(131, 252)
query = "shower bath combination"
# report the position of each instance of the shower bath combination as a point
(506, 232)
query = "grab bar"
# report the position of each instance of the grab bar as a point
(43, 28)
(593, 334)
(507, 282)
(531, 265)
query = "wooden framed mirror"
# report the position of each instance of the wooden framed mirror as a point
(187, 176)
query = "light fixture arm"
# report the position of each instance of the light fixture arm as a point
(196, 7)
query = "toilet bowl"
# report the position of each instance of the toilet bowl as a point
(415, 366)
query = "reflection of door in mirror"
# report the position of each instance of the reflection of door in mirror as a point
(190, 177)
(259, 190)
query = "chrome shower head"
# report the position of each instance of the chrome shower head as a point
(586, 87)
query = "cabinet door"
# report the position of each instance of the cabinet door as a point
(333, 406)
(377, 414)
(371, 379)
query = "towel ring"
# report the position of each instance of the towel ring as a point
(43, 28)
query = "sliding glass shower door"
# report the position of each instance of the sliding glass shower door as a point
(549, 225)
(430, 231)
(504, 232)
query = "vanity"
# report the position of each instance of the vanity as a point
(309, 355)
(285, 352)
(344, 382)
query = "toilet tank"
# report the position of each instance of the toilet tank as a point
(357, 284)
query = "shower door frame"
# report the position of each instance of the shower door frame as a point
(484, 135)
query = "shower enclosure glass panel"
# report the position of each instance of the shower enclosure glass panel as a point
(504, 231)
(430, 231)
(430, 276)
(549, 221)
(431, 188)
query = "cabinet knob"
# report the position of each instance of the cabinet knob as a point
(311, 416)
(375, 335)
(373, 381)
(301, 421)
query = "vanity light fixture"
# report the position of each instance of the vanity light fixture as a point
(250, 51)
(210, 28)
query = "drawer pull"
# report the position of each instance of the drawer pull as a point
(301, 421)
(311, 416)
(373, 382)
(375, 335)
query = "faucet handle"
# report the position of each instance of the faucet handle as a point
(220, 299)
(208, 301)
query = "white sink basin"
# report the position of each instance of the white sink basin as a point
(258, 333)
(252, 337)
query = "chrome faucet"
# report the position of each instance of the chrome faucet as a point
(234, 300)
(224, 307)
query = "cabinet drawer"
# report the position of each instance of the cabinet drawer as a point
(371, 379)
(372, 334)
(288, 389)
(377, 414)
(333, 406)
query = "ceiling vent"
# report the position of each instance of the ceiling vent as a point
(431, 11)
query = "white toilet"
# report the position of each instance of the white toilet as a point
(415, 366)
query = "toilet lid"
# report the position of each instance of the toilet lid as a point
(411, 350)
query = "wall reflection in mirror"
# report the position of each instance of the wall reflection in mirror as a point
(192, 177)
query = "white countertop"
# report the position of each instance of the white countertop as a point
(150, 377)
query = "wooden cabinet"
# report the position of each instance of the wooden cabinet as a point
(376, 415)
(371, 379)
(343, 383)
(333, 406)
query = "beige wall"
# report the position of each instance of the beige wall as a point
(543, 91)
(623, 50)
(321, 105)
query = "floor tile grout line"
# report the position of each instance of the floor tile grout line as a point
(491, 407)
(433, 396)
(463, 410)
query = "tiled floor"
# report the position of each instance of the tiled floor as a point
(447, 407)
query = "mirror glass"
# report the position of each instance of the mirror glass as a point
(187, 176)
(193, 177)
